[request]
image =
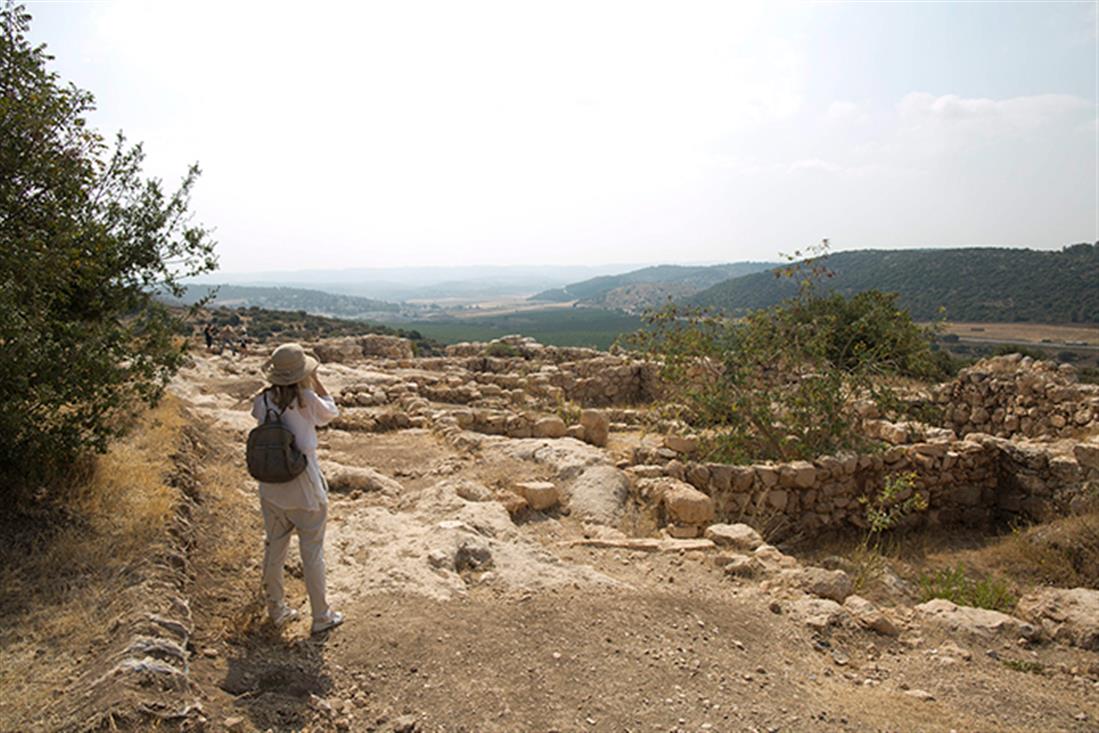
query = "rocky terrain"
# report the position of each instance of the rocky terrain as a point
(520, 541)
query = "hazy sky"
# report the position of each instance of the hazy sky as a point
(461, 132)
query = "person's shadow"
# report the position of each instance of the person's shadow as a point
(273, 678)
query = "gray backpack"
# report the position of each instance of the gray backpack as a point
(271, 454)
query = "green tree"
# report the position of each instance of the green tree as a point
(85, 243)
(782, 382)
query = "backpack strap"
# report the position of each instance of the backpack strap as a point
(268, 410)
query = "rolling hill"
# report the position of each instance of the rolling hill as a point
(316, 302)
(650, 286)
(971, 284)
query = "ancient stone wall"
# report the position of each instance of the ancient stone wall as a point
(353, 349)
(975, 481)
(1013, 395)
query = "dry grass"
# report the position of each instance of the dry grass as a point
(1063, 552)
(63, 585)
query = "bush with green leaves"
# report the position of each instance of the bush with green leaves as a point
(85, 241)
(781, 382)
(956, 585)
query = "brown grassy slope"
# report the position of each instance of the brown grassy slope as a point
(65, 586)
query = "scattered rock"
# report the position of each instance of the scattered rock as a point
(540, 495)
(835, 585)
(818, 613)
(736, 536)
(473, 556)
(742, 566)
(870, 616)
(473, 491)
(923, 695)
(684, 503)
(549, 427)
(596, 426)
(343, 479)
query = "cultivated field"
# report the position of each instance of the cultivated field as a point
(1024, 333)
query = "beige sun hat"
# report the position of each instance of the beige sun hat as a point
(289, 364)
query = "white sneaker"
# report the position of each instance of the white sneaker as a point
(282, 616)
(330, 620)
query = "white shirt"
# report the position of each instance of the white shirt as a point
(308, 490)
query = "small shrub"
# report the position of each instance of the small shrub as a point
(955, 585)
(569, 412)
(501, 350)
(896, 500)
(1024, 665)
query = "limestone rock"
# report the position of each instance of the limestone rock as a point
(599, 495)
(549, 427)
(818, 613)
(473, 491)
(596, 426)
(1070, 616)
(974, 621)
(834, 585)
(773, 558)
(683, 531)
(741, 566)
(870, 616)
(681, 443)
(540, 495)
(343, 478)
(736, 536)
(685, 504)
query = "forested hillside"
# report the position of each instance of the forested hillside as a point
(287, 299)
(649, 286)
(971, 284)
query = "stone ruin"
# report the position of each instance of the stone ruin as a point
(1005, 446)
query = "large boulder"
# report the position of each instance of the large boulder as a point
(980, 622)
(599, 495)
(1071, 616)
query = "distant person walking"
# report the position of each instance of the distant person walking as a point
(301, 504)
(228, 340)
(208, 333)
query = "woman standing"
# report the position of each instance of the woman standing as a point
(301, 504)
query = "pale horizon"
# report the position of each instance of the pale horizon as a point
(499, 134)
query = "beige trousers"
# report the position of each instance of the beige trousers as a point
(280, 524)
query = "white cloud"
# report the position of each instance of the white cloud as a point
(1018, 113)
(841, 111)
